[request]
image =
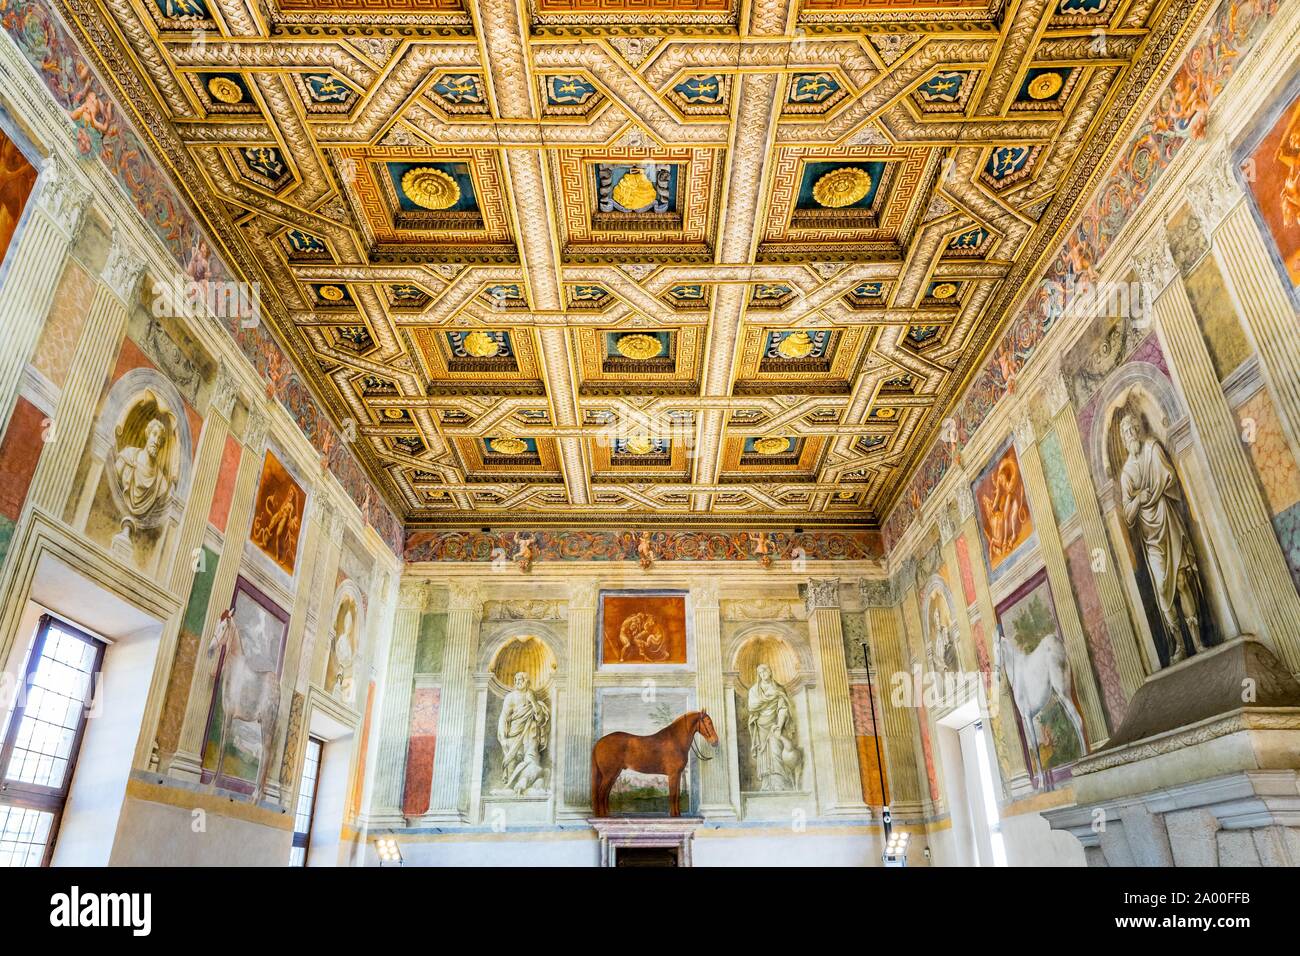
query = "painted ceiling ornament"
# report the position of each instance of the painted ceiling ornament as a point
(1045, 86)
(944, 290)
(430, 188)
(771, 445)
(842, 187)
(638, 346)
(481, 345)
(796, 345)
(508, 446)
(639, 445)
(331, 293)
(886, 413)
(634, 190)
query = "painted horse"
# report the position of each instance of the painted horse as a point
(665, 752)
(248, 695)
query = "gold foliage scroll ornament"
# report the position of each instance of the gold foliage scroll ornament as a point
(796, 345)
(771, 446)
(225, 90)
(639, 346)
(842, 187)
(481, 345)
(430, 188)
(508, 446)
(634, 190)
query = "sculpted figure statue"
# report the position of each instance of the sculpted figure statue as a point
(521, 732)
(776, 758)
(1153, 507)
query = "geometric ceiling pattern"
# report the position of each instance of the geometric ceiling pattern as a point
(575, 262)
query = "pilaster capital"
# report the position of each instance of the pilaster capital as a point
(704, 595)
(582, 595)
(1215, 192)
(965, 500)
(1154, 263)
(1056, 394)
(465, 597)
(225, 389)
(412, 596)
(255, 432)
(822, 593)
(1023, 432)
(63, 198)
(877, 592)
(123, 268)
(948, 522)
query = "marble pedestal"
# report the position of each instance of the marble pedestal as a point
(675, 833)
(1204, 770)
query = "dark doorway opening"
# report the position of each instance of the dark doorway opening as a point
(645, 856)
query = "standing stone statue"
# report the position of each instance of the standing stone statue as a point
(522, 732)
(776, 758)
(1153, 507)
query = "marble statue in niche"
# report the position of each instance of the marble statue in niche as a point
(144, 470)
(777, 759)
(522, 731)
(343, 650)
(1154, 507)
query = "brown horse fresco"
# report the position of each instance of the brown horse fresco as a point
(664, 752)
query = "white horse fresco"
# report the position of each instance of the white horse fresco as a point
(1034, 677)
(248, 694)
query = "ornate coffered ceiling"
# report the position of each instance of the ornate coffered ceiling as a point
(575, 262)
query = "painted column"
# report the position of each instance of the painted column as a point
(203, 481)
(101, 338)
(1058, 577)
(187, 761)
(826, 631)
(1215, 427)
(35, 267)
(1123, 639)
(395, 718)
(715, 795)
(885, 639)
(464, 611)
(1267, 313)
(928, 770)
(580, 702)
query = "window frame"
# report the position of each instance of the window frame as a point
(305, 837)
(31, 796)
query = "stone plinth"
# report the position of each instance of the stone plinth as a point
(1204, 770)
(673, 833)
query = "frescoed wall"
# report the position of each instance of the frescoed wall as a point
(1149, 426)
(144, 449)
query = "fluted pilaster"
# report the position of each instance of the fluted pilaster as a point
(884, 630)
(826, 630)
(75, 413)
(580, 713)
(34, 266)
(395, 717)
(456, 704)
(715, 786)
